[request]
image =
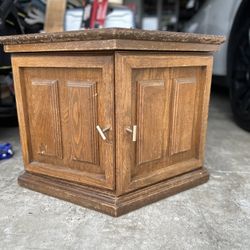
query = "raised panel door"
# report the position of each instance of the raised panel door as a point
(66, 99)
(160, 116)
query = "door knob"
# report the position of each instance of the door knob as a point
(132, 131)
(102, 131)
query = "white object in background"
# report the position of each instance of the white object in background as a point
(34, 16)
(190, 4)
(150, 23)
(116, 1)
(215, 17)
(73, 19)
(120, 18)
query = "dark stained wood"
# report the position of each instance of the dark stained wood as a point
(116, 129)
(107, 202)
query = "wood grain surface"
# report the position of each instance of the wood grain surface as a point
(117, 129)
(111, 45)
(112, 33)
(164, 96)
(107, 202)
(55, 15)
(66, 97)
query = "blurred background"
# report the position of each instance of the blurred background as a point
(230, 18)
(215, 215)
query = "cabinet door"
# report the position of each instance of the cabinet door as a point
(161, 113)
(62, 102)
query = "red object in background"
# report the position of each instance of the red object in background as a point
(132, 6)
(98, 13)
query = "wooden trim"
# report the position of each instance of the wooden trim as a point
(114, 44)
(205, 108)
(152, 60)
(20, 96)
(113, 33)
(163, 173)
(63, 61)
(105, 201)
(72, 175)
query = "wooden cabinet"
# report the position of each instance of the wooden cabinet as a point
(116, 129)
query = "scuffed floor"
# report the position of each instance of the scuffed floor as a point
(215, 215)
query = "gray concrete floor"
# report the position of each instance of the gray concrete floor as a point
(215, 215)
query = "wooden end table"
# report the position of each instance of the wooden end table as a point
(112, 119)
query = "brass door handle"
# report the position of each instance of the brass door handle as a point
(132, 131)
(102, 131)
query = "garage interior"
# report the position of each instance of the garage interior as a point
(214, 215)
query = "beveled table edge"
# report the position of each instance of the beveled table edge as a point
(112, 33)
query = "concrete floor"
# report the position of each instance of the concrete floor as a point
(215, 215)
